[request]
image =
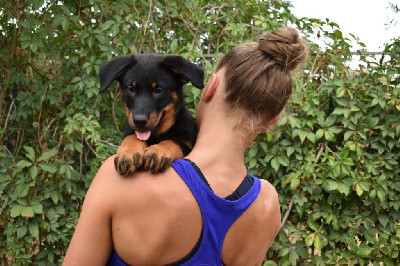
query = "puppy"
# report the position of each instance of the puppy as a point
(159, 128)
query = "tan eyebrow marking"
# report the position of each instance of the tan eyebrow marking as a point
(175, 71)
(153, 85)
(134, 84)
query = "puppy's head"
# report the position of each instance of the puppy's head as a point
(151, 88)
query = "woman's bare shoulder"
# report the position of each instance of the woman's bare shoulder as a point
(140, 184)
(270, 198)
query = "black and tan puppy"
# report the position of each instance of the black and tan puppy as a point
(159, 128)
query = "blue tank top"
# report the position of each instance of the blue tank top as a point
(218, 215)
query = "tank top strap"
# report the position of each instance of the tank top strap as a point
(218, 214)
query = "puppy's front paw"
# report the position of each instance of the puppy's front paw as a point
(160, 156)
(126, 163)
(129, 155)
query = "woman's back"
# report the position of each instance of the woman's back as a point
(156, 219)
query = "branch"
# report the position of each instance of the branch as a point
(287, 214)
(113, 112)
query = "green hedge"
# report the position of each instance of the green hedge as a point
(334, 159)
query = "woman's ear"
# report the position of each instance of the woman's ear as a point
(211, 87)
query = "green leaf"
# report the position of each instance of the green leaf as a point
(310, 239)
(16, 210)
(54, 197)
(21, 231)
(37, 208)
(332, 185)
(48, 168)
(302, 135)
(270, 263)
(22, 164)
(173, 46)
(283, 160)
(289, 151)
(30, 153)
(294, 183)
(22, 190)
(311, 137)
(65, 23)
(4, 178)
(57, 20)
(364, 251)
(34, 230)
(275, 164)
(381, 194)
(387, 261)
(336, 170)
(319, 133)
(47, 155)
(341, 101)
(284, 251)
(33, 171)
(313, 225)
(317, 242)
(383, 219)
(372, 194)
(27, 212)
(330, 120)
(359, 189)
(343, 188)
(107, 24)
(373, 122)
(76, 79)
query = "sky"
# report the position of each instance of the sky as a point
(363, 18)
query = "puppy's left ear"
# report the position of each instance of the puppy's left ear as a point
(188, 70)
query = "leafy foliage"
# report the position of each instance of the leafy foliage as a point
(334, 159)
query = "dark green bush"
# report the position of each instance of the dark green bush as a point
(334, 160)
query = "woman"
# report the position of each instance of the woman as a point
(205, 209)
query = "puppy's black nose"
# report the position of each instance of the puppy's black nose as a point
(140, 120)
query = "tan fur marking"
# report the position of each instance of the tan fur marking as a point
(134, 84)
(128, 114)
(184, 80)
(174, 97)
(153, 85)
(120, 73)
(131, 144)
(169, 115)
(153, 120)
(175, 71)
(165, 149)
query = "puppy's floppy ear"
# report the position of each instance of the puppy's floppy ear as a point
(113, 68)
(188, 70)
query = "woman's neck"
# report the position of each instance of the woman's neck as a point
(220, 149)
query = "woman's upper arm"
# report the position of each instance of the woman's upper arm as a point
(91, 243)
(272, 217)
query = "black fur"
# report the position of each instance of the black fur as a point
(150, 85)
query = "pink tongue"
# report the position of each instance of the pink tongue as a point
(143, 135)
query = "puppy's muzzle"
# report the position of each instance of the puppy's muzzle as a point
(140, 120)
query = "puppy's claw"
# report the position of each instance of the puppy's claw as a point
(164, 163)
(138, 163)
(116, 163)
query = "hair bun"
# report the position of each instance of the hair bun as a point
(285, 46)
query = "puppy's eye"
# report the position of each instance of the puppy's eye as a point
(158, 91)
(131, 89)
